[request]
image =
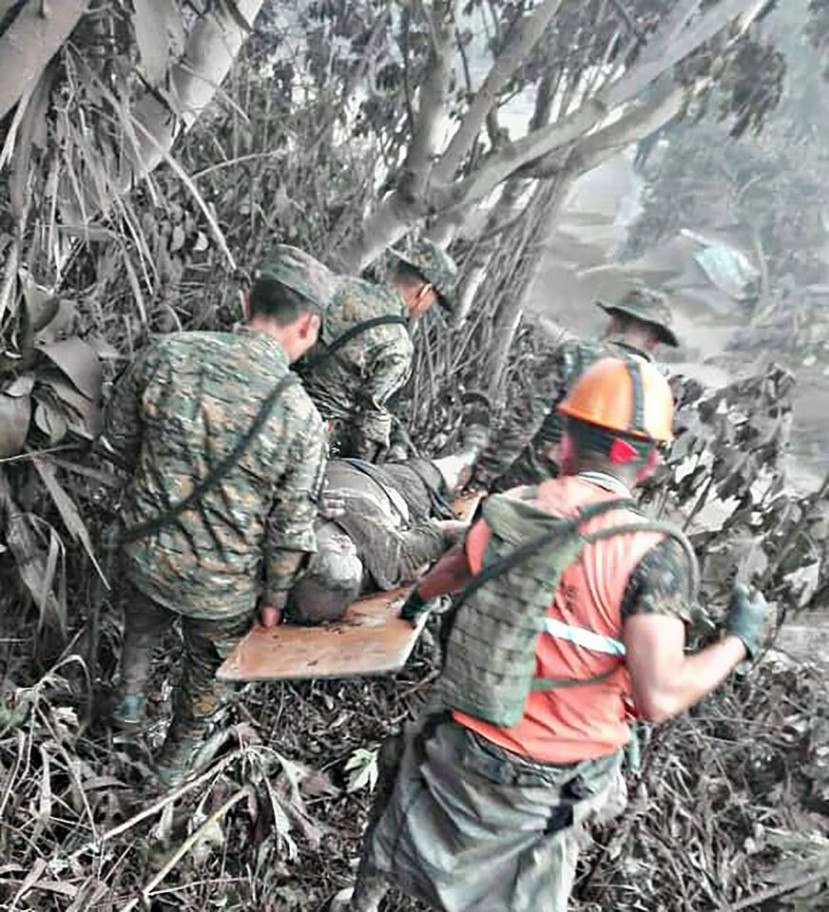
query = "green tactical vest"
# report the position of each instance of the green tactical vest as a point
(490, 660)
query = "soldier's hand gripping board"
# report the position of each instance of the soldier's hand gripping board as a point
(370, 639)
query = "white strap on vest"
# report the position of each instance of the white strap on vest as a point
(580, 636)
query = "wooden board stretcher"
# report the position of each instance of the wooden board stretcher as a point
(370, 639)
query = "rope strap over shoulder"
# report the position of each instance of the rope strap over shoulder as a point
(333, 347)
(527, 550)
(168, 517)
(655, 526)
(589, 639)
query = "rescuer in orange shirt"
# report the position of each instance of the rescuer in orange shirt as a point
(571, 620)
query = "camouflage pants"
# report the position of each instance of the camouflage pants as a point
(199, 695)
(468, 826)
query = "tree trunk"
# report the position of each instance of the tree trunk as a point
(404, 206)
(663, 51)
(387, 224)
(527, 263)
(523, 37)
(30, 42)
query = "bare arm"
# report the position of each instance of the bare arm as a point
(450, 574)
(655, 609)
(665, 680)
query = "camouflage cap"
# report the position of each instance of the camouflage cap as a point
(435, 265)
(648, 306)
(299, 271)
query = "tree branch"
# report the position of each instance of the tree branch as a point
(30, 42)
(636, 124)
(355, 77)
(6, 6)
(662, 53)
(432, 101)
(392, 218)
(629, 21)
(671, 44)
(522, 38)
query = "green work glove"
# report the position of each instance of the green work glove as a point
(747, 614)
(413, 607)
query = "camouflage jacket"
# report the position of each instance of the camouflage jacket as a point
(393, 540)
(518, 456)
(353, 386)
(177, 411)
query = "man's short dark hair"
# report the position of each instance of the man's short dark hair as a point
(278, 302)
(406, 274)
(629, 323)
(597, 442)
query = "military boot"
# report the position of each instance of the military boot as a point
(176, 761)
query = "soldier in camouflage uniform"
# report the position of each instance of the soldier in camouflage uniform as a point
(180, 409)
(473, 816)
(352, 388)
(637, 325)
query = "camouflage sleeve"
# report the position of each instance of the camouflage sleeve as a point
(389, 374)
(290, 527)
(524, 419)
(660, 584)
(123, 424)
(421, 545)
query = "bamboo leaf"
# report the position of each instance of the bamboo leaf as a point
(22, 386)
(51, 569)
(135, 285)
(50, 421)
(151, 21)
(83, 416)
(78, 361)
(103, 349)
(22, 541)
(185, 178)
(15, 417)
(237, 15)
(68, 510)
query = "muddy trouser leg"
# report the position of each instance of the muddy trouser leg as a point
(145, 623)
(371, 887)
(200, 696)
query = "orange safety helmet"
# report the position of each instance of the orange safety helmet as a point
(630, 396)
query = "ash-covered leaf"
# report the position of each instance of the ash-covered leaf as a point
(362, 770)
(79, 362)
(15, 417)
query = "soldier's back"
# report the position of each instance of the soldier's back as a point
(334, 382)
(202, 394)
